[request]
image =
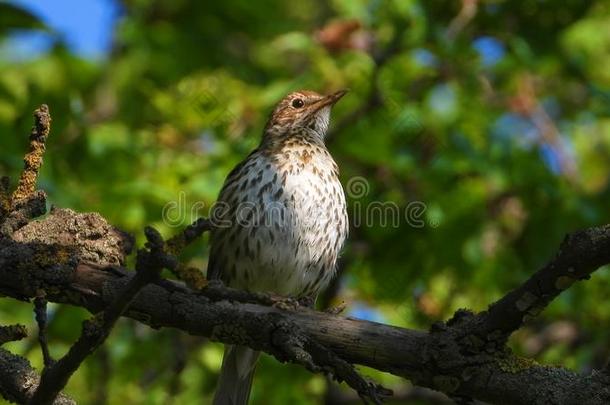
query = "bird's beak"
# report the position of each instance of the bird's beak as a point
(331, 99)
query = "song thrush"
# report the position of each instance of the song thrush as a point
(280, 220)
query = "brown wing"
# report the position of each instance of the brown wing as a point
(226, 195)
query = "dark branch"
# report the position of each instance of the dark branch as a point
(18, 380)
(315, 357)
(22, 211)
(176, 244)
(11, 333)
(191, 276)
(40, 310)
(95, 331)
(580, 254)
(453, 358)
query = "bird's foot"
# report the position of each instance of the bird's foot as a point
(291, 303)
(286, 303)
(307, 301)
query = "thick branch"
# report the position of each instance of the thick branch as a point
(452, 358)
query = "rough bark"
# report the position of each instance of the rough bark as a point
(462, 357)
(18, 380)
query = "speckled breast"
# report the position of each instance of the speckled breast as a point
(281, 222)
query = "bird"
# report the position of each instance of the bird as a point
(280, 221)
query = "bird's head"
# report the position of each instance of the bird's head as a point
(303, 109)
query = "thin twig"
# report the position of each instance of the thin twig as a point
(26, 203)
(40, 310)
(192, 276)
(345, 371)
(178, 242)
(316, 358)
(33, 159)
(12, 333)
(580, 254)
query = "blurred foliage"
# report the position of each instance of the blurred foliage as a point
(495, 115)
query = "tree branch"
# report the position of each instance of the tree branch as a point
(452, 357)
(580, 254)
(191, 276)
(18, 380)
(40, 311)
(33, 159)
(95, 331)
(26, 203)
(11, 333)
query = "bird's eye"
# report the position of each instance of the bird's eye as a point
(298, 103)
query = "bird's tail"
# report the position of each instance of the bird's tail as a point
(235, 380)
